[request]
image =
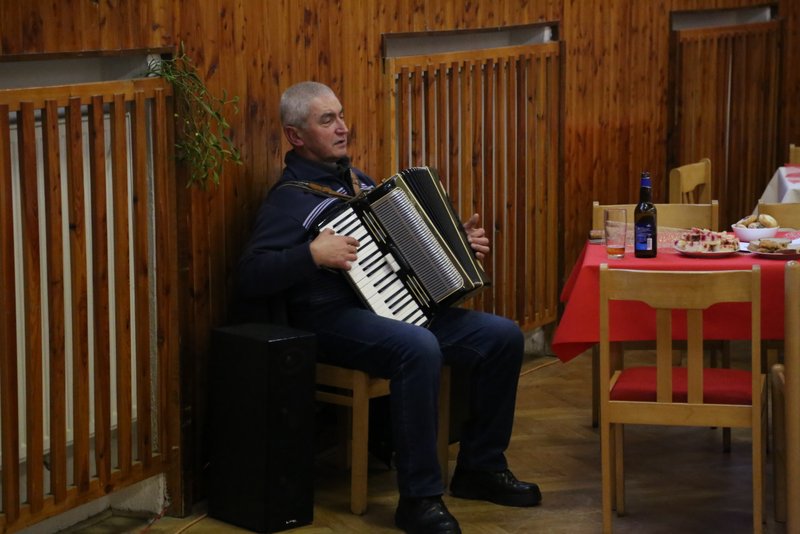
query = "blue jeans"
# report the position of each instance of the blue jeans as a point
(412, 357)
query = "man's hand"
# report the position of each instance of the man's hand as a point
(478, 239)
(335, 251)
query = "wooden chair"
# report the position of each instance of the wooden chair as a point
(787, 214)
(786, 409)
(678, 396)
(794, 153)
(354, 389)
(691, 183)
(669, 215)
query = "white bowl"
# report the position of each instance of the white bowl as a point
(751, 234)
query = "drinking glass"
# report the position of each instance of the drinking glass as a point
(614, 226)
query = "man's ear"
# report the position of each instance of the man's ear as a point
(293, 135)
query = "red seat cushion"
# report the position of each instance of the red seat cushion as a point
(720, 386)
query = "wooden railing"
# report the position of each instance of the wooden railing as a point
(725, 98)
(87, 293)
(488, 121)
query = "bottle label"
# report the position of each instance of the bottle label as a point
(644, 236)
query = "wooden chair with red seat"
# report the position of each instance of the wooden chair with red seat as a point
(691, 183)
(670, 217)
(678, 396)
(786, 409)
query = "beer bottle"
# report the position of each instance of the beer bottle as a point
(644, 221)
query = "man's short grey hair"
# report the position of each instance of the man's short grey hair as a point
(296, 99)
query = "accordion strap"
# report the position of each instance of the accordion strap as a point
(317, 189)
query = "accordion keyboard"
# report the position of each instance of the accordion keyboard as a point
(375, 273)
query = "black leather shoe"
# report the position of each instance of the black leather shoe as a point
(499, 487)
(425, 515)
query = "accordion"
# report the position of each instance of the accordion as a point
(414, 256)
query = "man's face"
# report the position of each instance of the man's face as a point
(324, 137)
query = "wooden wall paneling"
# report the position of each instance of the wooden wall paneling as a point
(41, 26)
(122, 280)
(9, 408)
(168, 304)
(11, 23)
(100, 311)
(32, 298)
(79, 308)
(198, 219)
(55, 298)
(167, 338)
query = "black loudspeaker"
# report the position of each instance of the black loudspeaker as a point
(261, 415)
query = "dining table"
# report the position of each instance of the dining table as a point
(784, 186)
(578, 328)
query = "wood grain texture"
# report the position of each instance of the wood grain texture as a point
(613, 102)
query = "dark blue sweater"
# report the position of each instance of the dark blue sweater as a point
(277, 258)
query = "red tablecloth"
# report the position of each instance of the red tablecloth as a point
(578, 329)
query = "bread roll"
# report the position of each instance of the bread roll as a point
(747, 221)
(767, 221)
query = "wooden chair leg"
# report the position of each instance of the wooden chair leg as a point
(778, 442)
(619, 467)
(359, 455)
(595, 385)
(607, 467)
(443, 434)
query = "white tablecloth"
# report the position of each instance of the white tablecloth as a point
(784, 187)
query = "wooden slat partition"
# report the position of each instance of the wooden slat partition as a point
(76, 307)
(488, 121)
(725, 101)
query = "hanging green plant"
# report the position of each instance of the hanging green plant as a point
(202, 141)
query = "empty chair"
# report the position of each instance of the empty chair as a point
(664, 394)
(691, 183)
(669, 215)
(787, 214)
(794, 153)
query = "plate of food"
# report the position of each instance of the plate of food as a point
(712, 254)
(704, 243)
(775, 248)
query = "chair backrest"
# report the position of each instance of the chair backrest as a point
(669, 215)
(694, 292)
(691, 183)
(792, 394)
(794, 153)
(787, 214)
